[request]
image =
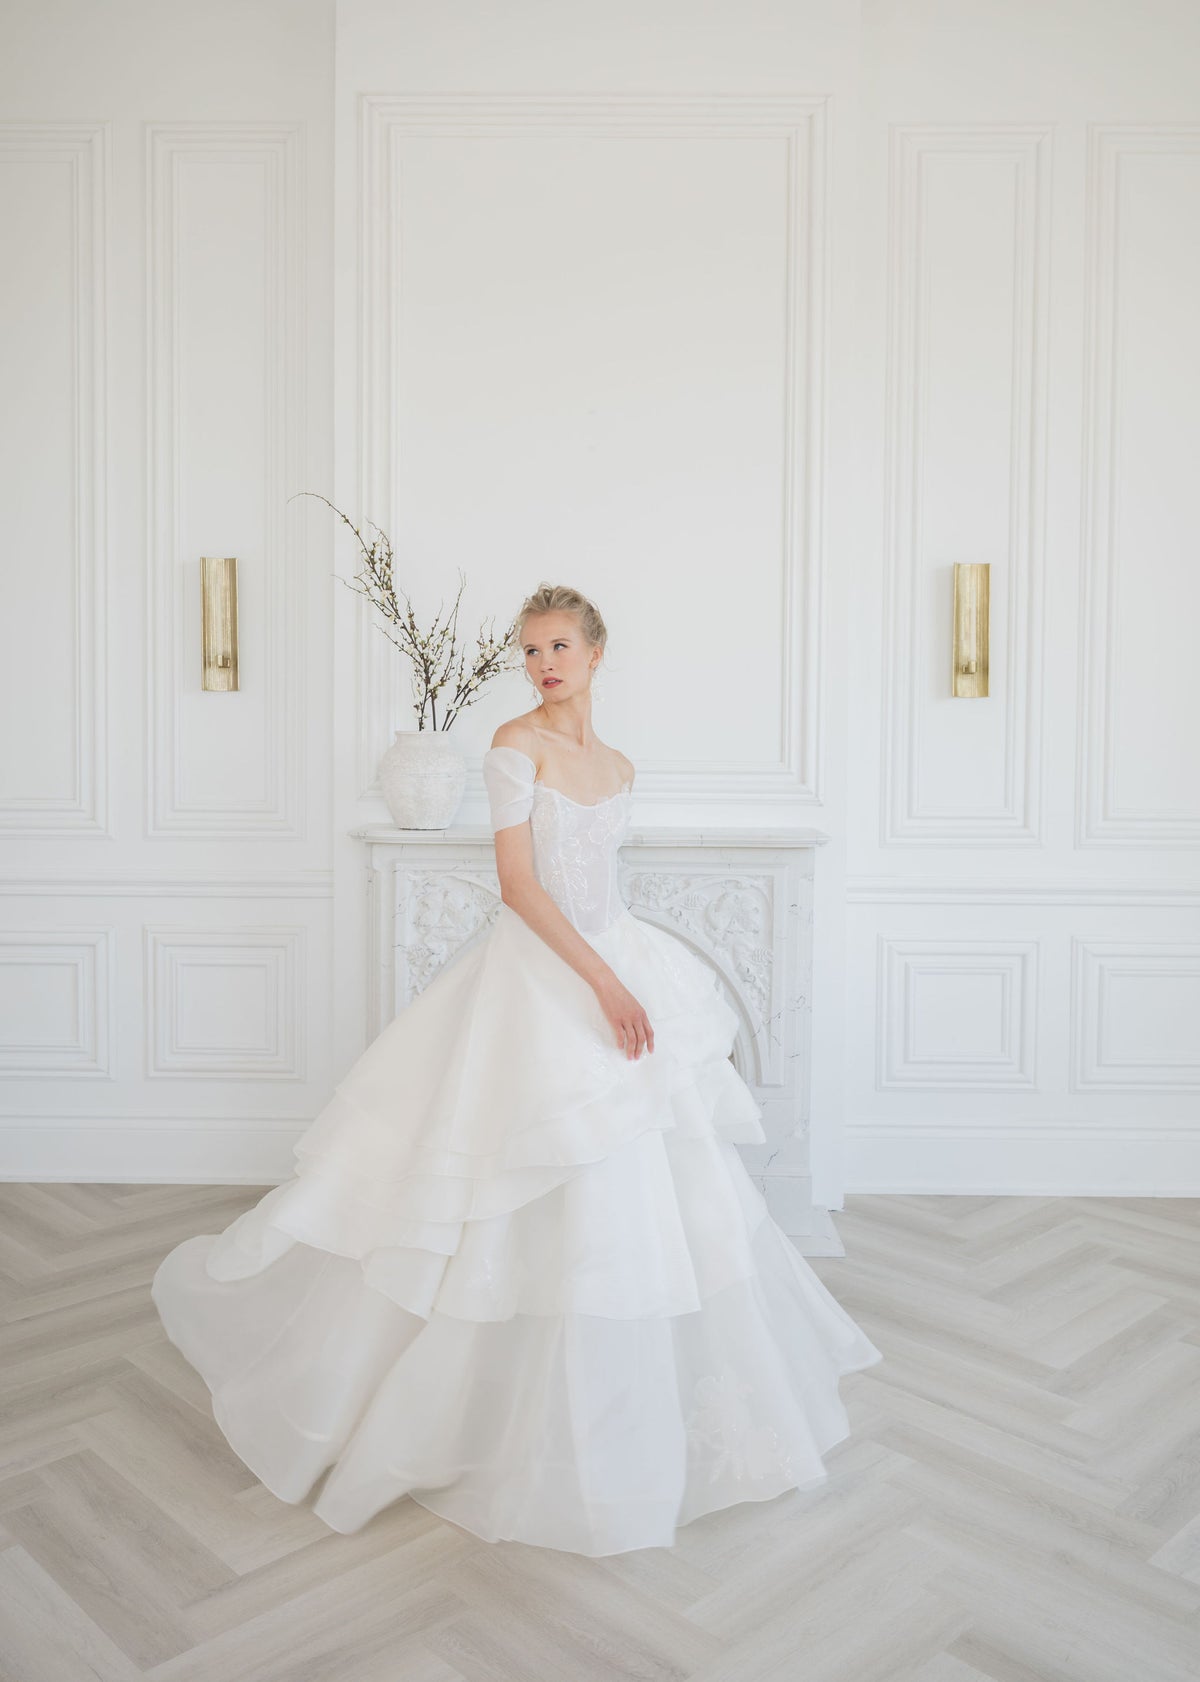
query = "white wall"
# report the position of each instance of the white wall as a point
(748, 318)
(1024, 917)
(165, 953)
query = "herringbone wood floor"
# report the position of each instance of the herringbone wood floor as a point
(1019, 1498)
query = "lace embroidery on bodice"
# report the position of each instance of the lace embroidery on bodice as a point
(575, 846)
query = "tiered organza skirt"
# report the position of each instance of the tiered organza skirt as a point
(520, 1277)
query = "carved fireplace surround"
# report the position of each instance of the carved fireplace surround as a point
(742, 899)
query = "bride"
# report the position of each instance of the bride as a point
(520, 1272)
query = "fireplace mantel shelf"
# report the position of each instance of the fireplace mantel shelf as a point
(687, 835)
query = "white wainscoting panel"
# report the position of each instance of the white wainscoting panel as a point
(226, 430)
(1139, 767)
(631, 377)
(957, 1013)
(56, 994)
(969, 264)
(225, 1003)
(54, 198)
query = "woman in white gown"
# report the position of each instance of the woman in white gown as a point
(520, 1272)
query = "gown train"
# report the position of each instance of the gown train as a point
(515, 1275)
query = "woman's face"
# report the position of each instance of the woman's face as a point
(558, 657)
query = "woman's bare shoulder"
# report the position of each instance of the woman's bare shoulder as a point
(516, 733)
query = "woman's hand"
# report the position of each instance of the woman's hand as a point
(629, 1021)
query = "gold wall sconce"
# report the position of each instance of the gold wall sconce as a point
(972, 597)
(218, 606)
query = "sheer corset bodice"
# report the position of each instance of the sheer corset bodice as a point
(575, 854)
(575, 846)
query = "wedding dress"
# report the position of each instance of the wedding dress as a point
(517, 1275)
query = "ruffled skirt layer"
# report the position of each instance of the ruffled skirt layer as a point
(520, 1277)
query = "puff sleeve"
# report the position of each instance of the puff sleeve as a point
(508, 777)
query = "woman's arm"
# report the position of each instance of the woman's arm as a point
(520, 889)
(524, 894)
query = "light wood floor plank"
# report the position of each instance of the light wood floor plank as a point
(1019, 1500)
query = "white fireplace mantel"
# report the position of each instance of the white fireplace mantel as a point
(742, 899)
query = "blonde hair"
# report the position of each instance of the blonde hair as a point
(561, 598)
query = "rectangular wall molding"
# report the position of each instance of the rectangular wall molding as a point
(226, 357)
(57, 987)
(797, 124)
(965, 469)
(1136, 627)
(225, 1004)
(60, 184)
(958, 1014)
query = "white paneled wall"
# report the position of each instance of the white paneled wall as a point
(750, 322)
(166, 892)
(1023, 900)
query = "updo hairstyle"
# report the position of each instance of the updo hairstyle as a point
(561, 598)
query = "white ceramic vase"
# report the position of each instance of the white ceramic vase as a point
(422, 777)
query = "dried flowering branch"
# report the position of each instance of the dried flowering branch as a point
(435, 654)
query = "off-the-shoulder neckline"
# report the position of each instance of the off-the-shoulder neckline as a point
(626, 788)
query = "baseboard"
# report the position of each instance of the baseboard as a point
(990, 1162)
(250, 1151)
(1059, 1160)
